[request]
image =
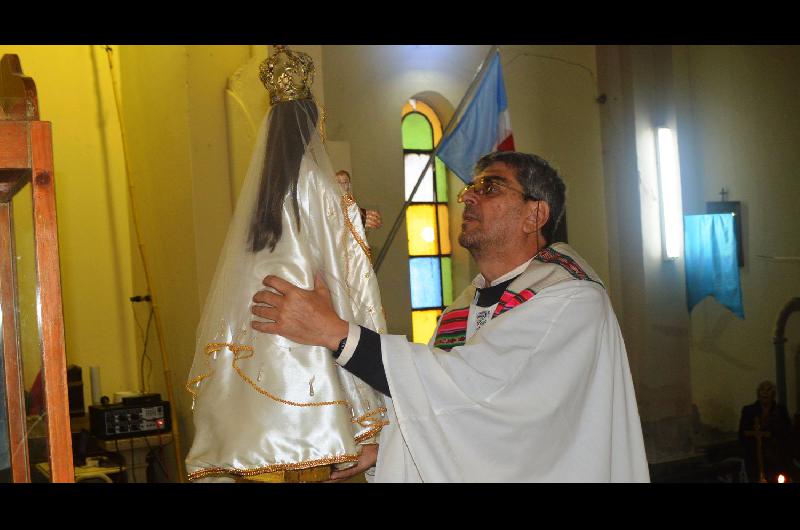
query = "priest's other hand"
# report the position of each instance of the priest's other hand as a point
(367, 459)
(304, 316)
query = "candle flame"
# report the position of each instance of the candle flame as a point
(781, 479)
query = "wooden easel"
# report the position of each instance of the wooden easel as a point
(26, 155)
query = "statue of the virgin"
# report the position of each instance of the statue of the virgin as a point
(266, 408)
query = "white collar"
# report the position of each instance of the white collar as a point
(479, 282)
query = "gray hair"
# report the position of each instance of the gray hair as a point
(539, 181)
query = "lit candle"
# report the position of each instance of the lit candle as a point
(781, 479)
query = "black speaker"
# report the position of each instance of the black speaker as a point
(135, 416)
(75, 391)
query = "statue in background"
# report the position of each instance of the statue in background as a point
(371, 219)
(266, 408)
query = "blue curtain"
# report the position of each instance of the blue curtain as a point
(711, 264)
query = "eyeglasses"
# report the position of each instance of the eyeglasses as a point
(489, 186)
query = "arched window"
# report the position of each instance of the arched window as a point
(429, 261)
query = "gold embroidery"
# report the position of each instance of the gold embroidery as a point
(211, 347)
(270, 468)
(236, 349)
(347, 201)
(370, 433)
(365, 419)
(311, 474)
(322, 116)
(368, 420)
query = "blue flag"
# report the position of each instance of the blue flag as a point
(711, 264)
(484, 127)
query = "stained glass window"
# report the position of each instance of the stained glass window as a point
(422, 230)
(425, 273)
(417, 132)
(424, 324)
(430, 266)
(415, 162)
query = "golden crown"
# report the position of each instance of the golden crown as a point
(287, 74)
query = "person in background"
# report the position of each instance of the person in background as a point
(771, 418)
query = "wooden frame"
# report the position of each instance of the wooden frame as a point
(26, 155)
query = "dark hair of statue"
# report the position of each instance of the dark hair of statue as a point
(290, 127)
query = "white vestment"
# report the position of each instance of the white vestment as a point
(540, 393)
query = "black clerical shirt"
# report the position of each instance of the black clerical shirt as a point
(367, 361)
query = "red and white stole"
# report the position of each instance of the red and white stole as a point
(551, 265)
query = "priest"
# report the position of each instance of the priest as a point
(526, 378)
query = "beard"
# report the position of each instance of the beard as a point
(470, 241)
(483, 236)
(480, 239)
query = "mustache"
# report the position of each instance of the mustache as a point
(469, 213)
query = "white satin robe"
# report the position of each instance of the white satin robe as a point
(284, 405)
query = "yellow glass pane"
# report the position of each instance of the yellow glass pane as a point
(424, 108)
(423, 238)
(444, 228)
(423, 324)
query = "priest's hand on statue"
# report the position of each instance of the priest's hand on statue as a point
(304, 316)
(367, 459)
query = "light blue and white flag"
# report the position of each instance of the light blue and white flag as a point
(484, 127)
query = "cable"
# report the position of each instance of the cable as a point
(161, 452)
(151, 449)
(116, 446)
(565, 61)
(145, 335)
(135, 218)
(146, 382)
(138, 324)
(133, 460)
(553, 58)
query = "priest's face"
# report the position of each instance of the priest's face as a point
(494, 210)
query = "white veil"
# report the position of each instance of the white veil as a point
(321, 234)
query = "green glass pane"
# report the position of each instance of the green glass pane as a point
(447, 280)
(417, 133)
(441, 181)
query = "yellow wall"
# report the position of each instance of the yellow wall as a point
(174, 112)
(74, 90)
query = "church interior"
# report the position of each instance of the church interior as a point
(150, 144)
